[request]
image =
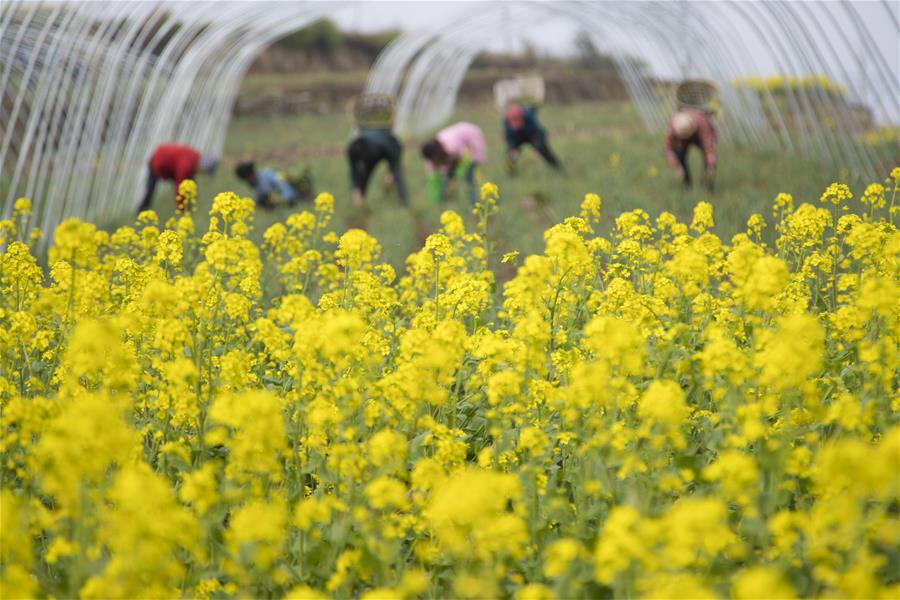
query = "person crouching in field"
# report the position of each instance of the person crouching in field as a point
(268, 185)
(365, 151)
(457, 149)
(689, 127)
(521, 126)
(175, 162)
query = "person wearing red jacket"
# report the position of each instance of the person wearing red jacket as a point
(690, 127)
(175, 163)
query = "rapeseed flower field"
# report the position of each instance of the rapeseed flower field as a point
(659, 413)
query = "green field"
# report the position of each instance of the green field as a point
(603, 146)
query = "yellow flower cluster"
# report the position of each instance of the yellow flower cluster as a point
(778, 84)
(656, 413)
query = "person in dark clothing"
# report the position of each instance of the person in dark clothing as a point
(690, 127)
(175, 162)
(365, 151)
(267, 184)
(520, 126)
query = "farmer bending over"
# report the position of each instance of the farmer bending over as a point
(268, 185)
(365, 151)
(457, 149)
(175, 162)
(520, 126)
(690, 127)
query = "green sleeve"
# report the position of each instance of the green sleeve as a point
(436, 186)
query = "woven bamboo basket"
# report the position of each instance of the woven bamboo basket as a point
(372, 111)
(697, 93)
(526, 89)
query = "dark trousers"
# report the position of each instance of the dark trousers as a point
(539, 143)
(362, 165)
(470, 179)
(543, 148)
(361, 171)
(152, 180)
(469, 176)
(681, 154)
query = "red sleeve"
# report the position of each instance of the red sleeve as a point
(159, 162)
(669, 147)
(185, 168)
(186, 164)
(708, 141)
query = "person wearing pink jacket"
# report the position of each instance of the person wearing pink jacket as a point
(461, 147)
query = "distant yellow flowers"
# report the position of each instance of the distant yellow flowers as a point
(778, 84)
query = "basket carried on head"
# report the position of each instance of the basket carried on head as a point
(525, 89)
(697, 93)
(373, 111)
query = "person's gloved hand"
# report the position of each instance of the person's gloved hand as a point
(435, 187)
(462, 166)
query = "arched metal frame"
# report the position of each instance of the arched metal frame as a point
(425, 71)
(88, 89)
